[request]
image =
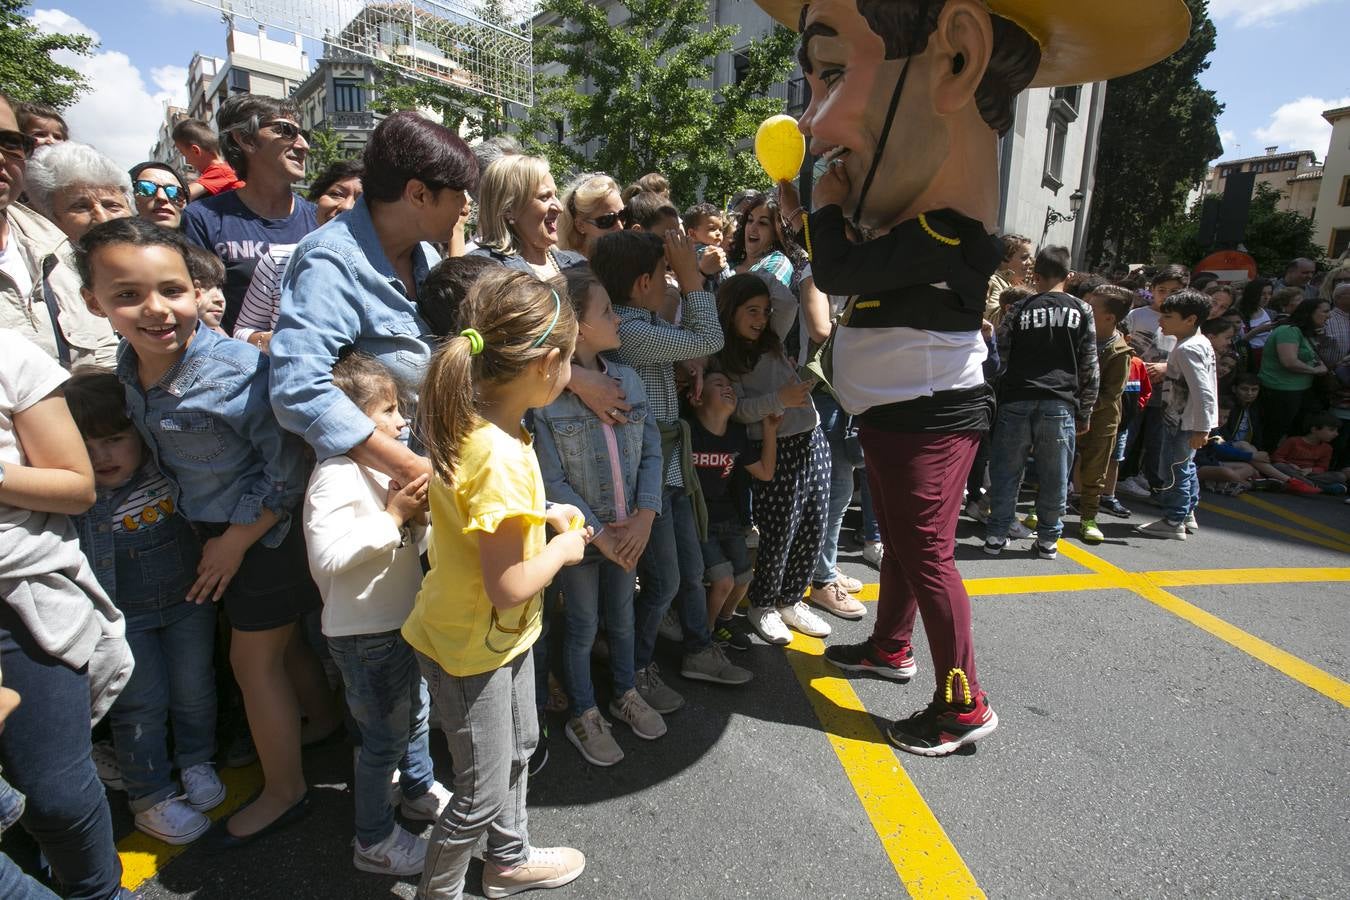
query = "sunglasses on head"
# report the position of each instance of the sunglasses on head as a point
(17, 144)
(609, 220)
(172, 192)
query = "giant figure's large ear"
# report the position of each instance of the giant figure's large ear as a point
(962, 45)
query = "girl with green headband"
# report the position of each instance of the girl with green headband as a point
(478, 612)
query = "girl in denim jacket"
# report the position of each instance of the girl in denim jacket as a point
(612, 473)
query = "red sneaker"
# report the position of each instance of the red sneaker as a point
(1299, 486)
(943, 728)
(869, 660)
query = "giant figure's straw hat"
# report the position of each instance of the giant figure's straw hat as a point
(1081, 40)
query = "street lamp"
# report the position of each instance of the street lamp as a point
(1054, 216)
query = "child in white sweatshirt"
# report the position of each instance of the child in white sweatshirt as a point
(362, 534)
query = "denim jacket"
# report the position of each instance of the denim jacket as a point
(148, 559)
(574, 457)
(341, 291)
(209, 426)
(12, 804)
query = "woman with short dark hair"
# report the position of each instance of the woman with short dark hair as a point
(354, 283)
(262, 140)
(160, 193)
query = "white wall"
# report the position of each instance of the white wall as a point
(1330, 214)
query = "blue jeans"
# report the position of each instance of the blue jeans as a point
(586, 587)
(387, 697)
(1181, 485)
(832, 420)
(174, 680)
(871, 530)
(14, 884)
(45, 753)
(1044, 428)
(671, 568)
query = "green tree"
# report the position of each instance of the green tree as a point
(648, 107)
(479, 115)
(325, 148)
(1274, 236)
(27, 71)
(1159, 133)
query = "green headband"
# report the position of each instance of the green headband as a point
(557, 311)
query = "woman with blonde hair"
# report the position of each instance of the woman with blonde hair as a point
(592, 207)
(518, 212)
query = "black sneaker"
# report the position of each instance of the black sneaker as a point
(1112, 506)
(731, 635)
(867, 659)
(994, 546)
(943, 728)
(539, 758)
(1046, 551)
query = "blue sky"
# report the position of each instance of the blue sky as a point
(1279, 63)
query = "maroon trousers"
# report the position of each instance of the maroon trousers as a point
(916, 482)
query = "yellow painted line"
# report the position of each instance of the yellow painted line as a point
(1039, 584)
(143, 857)
(924, 858)
(1311, 524)
(1303, 672)
(1204, 577)
(1276, 527)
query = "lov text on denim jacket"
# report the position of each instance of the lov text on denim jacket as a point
(143, 552)
(589, 464)
(209, 426)
(341, 291)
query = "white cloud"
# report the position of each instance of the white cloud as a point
(1228, 138)
(120, 114)
(1298, 125)
(1257, 12)
(185, 7)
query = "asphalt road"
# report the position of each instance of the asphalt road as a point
(1145, 748)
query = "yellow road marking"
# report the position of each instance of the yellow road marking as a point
(928, 864)
(1311, 524)
(1038, 584)
(1303, 672)
(1203, 577)
(1276, 527)
(143, 856)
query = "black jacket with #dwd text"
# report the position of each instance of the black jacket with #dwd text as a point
(1048, 347)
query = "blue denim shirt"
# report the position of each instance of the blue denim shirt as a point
(341, 291)
(575, 461)
(209, 426)
(12, 804)
(147, 560)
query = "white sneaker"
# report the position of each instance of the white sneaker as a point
(800, 617)
(1018, 531)
(670, 627)
(402, 853)
(105, 760)
(172, 821)
(202, 787)
(429, 806)
(873, 551)
(1163, 529)
(1190, 524)
(768, 624)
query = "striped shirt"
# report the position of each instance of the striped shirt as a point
(262, 301)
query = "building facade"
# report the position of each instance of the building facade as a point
(254, 64)
(1333, 199)
(164, 151)
(1296, 175)
(337, 96)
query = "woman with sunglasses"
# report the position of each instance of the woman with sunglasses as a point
(262, 140)
(591, 207)
(159, 192)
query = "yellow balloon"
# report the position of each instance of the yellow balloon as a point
(780, 148)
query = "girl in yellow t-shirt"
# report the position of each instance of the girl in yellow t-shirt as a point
(478, 611)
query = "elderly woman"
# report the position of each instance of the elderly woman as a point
(160, 193)
(334, 190)
(262, 140)
(76, 187)
(518, 212)
(591, 207)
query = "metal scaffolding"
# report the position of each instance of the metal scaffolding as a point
(484, 46)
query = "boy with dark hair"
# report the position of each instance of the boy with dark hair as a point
(445, 287)
(631, 266)
(649, 211)
(1048, 348)
(1190, 412)
(1309, 457)
(1152, 347)
(201, 148)
(1110, 305)
(208, 277)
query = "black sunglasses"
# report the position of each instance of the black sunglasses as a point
(287, 131)
(609, 220)
(172, 192)
(17, 144)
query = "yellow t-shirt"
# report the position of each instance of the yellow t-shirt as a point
(453, 621)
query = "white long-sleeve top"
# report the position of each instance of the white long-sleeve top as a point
(365, 565)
